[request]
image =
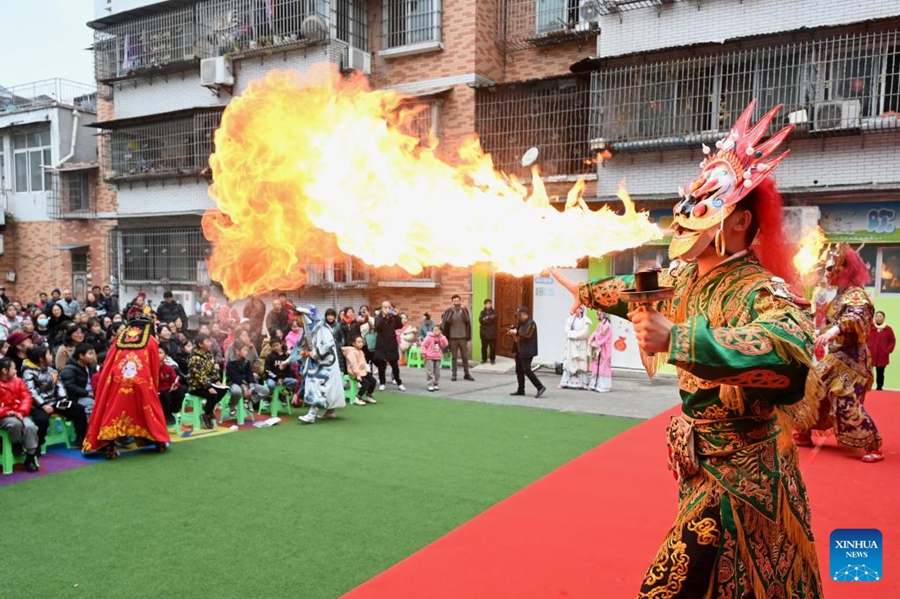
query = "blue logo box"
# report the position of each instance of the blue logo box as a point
(856, 555)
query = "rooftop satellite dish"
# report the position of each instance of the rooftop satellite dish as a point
(314, 28)
(530, 157)
(588, 10)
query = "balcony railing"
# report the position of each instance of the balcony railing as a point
(160, 256)
(160, 43)
(351, 272)
(397, 277)
(534, 23)
(552, 115)
(73, 193)
(47, 93)
(239, 27)
(831, 86)
(176, 39)
(177, 147)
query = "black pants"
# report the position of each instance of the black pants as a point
(488, 346)
(209, 407)
(523, 369)
(879, 377)
(171, 402)
(382, 367)
(74, 414)
(366, 385)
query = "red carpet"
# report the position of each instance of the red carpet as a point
(590, 528)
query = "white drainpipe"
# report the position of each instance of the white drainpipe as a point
(74, 139)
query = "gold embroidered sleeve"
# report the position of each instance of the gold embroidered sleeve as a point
(772, 351)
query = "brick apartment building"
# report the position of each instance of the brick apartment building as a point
(646, 81)
(157, 117)
(56, 211)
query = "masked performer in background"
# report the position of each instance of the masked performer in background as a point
(742, 344)
(126, 401)
(323, 388)
(845, 370)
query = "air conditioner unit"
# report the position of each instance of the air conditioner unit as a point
(588, 15)
(836, 115)
(216, 72)
(188, 299)
(359, 60)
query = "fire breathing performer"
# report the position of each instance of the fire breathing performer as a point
(845, 370)
(126, 401)
(741, 341)
(317, 353)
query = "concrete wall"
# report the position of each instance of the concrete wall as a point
(713, 21)
(164, 197)
(815, 164)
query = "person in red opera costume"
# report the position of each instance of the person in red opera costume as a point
(126, 402)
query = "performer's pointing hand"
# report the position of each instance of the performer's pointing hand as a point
(652, 329)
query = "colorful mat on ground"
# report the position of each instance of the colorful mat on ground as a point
(60, 459)
(591, 528)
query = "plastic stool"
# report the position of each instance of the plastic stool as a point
(242, 414)
(275, 403)
(196, 405)
(57, 432)
(447, 360)
(414, 358)
(350, 390)
(7, 459)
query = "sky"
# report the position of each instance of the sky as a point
(45, 39)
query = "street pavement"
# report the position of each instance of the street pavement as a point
(633, 394)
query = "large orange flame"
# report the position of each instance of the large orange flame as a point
(308, 168)
(811, 252)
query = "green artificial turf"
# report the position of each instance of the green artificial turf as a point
(291, 511)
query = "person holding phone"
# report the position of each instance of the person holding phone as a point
(48, 395)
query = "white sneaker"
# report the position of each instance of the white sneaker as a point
(401, 387)
(358, 402)
(430, 388)
(436, 388)
(381, 387)
(309, 417)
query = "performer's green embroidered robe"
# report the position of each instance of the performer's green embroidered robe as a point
(743, 348)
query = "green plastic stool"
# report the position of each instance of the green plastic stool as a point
(7, 459)
(242, 414)
(447, 360)
(57, 433)
(196, 405)
(414, 358)
(350, 390)
(276, 404)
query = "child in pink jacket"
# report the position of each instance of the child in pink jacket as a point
(433, 350)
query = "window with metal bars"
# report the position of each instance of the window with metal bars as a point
(552, 115)
(425, 120)
(410, 22)
(72, 195)
(842, 84)
(180, 147)
(176, 255)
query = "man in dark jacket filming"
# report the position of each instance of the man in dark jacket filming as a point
(525, 340)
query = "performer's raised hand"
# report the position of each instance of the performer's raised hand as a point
(570, 286)
(652, 329)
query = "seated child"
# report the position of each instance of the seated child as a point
(358, 368)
